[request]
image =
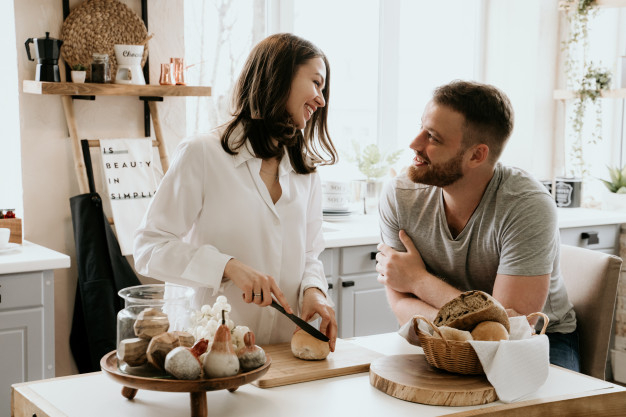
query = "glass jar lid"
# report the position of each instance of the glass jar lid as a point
(100, 57)
(157, 294)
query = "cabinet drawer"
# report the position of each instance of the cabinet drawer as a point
(21, 290)
(364, 309)
(585, 237)
(358, 259)
(328, 260)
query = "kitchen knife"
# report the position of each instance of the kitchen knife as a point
(301, 323)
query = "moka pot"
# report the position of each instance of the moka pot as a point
(47, 51)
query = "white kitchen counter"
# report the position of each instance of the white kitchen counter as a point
(96, 395)
(359, 230)
(31, 257)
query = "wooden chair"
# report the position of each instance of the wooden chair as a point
(591, 279)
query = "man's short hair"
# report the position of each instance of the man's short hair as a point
(487, 110)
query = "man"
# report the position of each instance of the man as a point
(459, 220)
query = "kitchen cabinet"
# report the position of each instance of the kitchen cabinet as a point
(603, 238)
(360, 300)
(27, 316)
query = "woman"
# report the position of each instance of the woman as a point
(240, 209)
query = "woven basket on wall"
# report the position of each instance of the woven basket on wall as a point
(453, 355)
(95, 26)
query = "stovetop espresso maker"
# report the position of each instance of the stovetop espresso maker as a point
(47, 53)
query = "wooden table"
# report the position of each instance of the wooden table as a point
(565, 393)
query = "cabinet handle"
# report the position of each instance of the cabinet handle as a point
(330, 286)
(592, 237)
(373, 255)
(347, 284)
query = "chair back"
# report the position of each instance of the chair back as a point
(591, 279)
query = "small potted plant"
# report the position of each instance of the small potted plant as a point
(79, 72)
(616, 197)
(374, 164)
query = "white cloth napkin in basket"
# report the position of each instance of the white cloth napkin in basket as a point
(516, 367)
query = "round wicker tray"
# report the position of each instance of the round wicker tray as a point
(95, 26)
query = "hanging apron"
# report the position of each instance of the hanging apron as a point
(102, 272)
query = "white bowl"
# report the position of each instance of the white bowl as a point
(336, 187)
(336, 201)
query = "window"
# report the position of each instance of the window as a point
(386, 57)
(219, 35)
(385, 61)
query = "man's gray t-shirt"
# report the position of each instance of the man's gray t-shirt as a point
(513, 231)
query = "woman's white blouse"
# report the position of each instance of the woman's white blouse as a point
(211, 207)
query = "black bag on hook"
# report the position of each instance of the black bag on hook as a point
(102, 272)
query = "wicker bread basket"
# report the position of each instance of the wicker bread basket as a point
(452, 355)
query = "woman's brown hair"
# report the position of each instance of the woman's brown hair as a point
(259, 103)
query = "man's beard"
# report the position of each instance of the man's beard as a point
(439, 175)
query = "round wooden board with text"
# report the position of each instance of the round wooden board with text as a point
(411, 378)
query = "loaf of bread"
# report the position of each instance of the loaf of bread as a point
(305, 346)
(470, 308)
(450, 333)
(490, 331)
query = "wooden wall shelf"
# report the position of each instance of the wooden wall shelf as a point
(93, 89)
(569, 94)
(67, 90)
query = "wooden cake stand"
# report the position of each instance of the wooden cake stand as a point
(197, 388)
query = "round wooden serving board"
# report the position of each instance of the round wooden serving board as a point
(411, 378)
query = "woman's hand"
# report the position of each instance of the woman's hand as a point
(314, 302)
(257, 287)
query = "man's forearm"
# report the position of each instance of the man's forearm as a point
(405, 306)
(433, 290)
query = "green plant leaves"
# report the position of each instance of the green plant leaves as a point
(371, 161)
(617, 184)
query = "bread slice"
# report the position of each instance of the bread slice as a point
(470, 308)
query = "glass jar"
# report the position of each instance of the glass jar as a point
(171, 311)
(100, 69)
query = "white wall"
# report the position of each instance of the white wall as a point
(10, 183)
(48, 176)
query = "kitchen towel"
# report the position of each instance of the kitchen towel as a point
(516, 367)
(131, 178)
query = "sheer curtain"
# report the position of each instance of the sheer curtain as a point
(219, 35)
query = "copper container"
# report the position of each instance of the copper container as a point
(167, 75)
(179, 70)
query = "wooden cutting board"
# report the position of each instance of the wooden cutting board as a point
(348, 358)
(411, 378)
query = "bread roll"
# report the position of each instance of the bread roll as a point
(471, 308)
(450, 333)
(305, 346)
(491, 331)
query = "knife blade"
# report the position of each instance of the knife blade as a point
(301, 323)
